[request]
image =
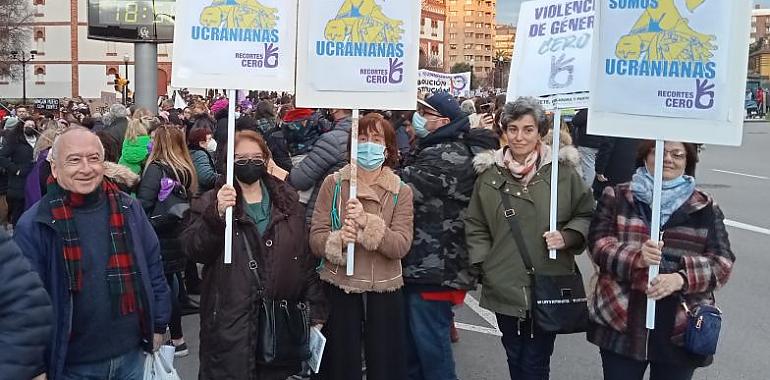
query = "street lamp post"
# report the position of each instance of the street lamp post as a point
(125, 88)
(21, 57)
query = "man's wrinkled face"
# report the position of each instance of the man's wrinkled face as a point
(78, 165)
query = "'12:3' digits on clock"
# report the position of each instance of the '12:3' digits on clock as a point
(138, 12)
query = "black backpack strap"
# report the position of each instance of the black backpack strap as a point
(510, 216)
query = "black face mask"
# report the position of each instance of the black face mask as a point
(250, 171)
(29, 131)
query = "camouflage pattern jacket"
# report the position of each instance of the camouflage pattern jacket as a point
(441, 176)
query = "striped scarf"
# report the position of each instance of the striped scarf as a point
(122, 273)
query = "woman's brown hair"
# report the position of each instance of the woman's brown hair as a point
(369, 124)
(169, 148)
(249, 135)
(647, 146)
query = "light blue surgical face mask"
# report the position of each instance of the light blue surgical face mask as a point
(418, 123)
(371, 156)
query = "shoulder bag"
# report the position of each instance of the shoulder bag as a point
(283, 326)
(559, 303)
(704, 322)
(168, 214)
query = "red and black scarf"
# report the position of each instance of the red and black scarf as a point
(122, 273)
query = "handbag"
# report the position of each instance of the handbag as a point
(559, 303)
(704, 323)
(168, 214)
(283, 327)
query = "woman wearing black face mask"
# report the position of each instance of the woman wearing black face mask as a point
(268, 231)
(16, 160)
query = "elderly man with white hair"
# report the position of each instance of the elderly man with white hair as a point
(99, 259)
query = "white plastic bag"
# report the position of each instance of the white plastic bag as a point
(158, 367)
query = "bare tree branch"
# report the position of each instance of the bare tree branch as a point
(16, 18)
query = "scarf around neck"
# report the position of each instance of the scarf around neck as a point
(524, 172)
(675, 192)
(122, 273)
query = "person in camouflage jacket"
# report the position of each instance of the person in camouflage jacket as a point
(437, 272)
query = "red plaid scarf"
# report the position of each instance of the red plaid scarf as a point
(123, 277)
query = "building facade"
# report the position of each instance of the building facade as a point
(505, 37)
(433, 34)
(471, 35)
(68, 64)
(760, 23)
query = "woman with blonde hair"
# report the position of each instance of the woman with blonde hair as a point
(168, 183)
(134, 151)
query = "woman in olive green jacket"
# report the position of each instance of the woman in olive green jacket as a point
(522, 170)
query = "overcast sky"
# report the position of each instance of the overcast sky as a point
(508, 10)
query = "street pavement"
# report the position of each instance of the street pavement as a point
(739, 179)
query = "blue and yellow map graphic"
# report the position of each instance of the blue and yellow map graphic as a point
(662, 34)
(363, 21)
(239, 14)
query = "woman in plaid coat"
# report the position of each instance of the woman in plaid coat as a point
(694, 257)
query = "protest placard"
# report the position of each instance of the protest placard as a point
(96, 106)
(48, 104)
(552, 53)
(358, 54)
(108, 97)
(669, 71)
(553, 34)
(458, 85)
(235, 45)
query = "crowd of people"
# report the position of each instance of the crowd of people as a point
(117, 220)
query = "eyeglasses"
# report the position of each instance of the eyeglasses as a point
(678, 155)
(245, 160)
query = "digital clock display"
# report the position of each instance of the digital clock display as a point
(134, 12)
(131, 20)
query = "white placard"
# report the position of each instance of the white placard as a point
(457, 85)
(674, 70)
(317, 345)
(552, 53)
(235, 44)
(358, 54)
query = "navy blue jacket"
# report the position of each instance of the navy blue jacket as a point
(25, 315)
(43, 247)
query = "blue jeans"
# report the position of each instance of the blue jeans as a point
(129, 366)
(428, 345)
(529, 352)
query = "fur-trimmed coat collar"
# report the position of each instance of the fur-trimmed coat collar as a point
(120, 174)
(568, 154)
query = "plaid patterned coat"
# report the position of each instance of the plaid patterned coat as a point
(695, 244)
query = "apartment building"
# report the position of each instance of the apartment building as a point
(471, 35)
(432, 34)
